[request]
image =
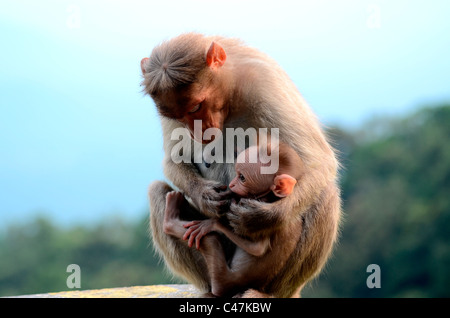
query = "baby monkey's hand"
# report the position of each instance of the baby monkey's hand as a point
(197, 229)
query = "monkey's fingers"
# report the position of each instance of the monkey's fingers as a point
(216, 207)
(197, 240)
(238, 209)
(233, 219)
(238, 215)
(213, 190)
(256, 205)
(192, 237)
(189, 232)
(225, 195)
(202, 232)
(220, 188)
(191, 223)
(223, 206)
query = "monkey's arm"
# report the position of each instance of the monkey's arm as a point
(197, 229)
(207, 195)
(251, 216)
(255, 248)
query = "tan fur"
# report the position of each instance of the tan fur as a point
(257, 259)
(260, 95)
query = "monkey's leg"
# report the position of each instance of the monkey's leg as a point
(181, 260)
(226, 281)
(319, 234)
(218, 269)
(172, 224)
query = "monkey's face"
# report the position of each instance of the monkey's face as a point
(206, 103)
(238, 186)
(188, 91)
(249, 182)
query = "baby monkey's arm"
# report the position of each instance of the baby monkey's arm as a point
(197, 229)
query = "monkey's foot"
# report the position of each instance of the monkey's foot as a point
(174, 201)
(172, 223)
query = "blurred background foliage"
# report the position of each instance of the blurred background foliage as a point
(396, 199)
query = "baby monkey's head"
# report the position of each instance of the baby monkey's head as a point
(252, 180)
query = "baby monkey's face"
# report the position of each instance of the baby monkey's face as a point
(249, 182)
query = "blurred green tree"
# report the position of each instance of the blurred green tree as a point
(34, 256)
(396, 195)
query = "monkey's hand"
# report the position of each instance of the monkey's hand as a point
(211, 197)
(253, 216)
(196, 230)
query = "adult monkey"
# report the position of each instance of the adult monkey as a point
(229, 85)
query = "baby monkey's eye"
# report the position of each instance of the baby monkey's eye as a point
(241, 177)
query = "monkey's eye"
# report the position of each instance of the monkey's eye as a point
(241, 177)
(195, 108)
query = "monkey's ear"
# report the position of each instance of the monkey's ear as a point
(216, 56)
(283, 185)
(144, 62)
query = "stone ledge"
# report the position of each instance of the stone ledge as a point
(154, 291)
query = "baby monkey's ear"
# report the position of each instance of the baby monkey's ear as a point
(283, 185)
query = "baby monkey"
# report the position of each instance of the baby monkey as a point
(259, 255)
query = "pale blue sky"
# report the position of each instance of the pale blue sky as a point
(79, 140)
